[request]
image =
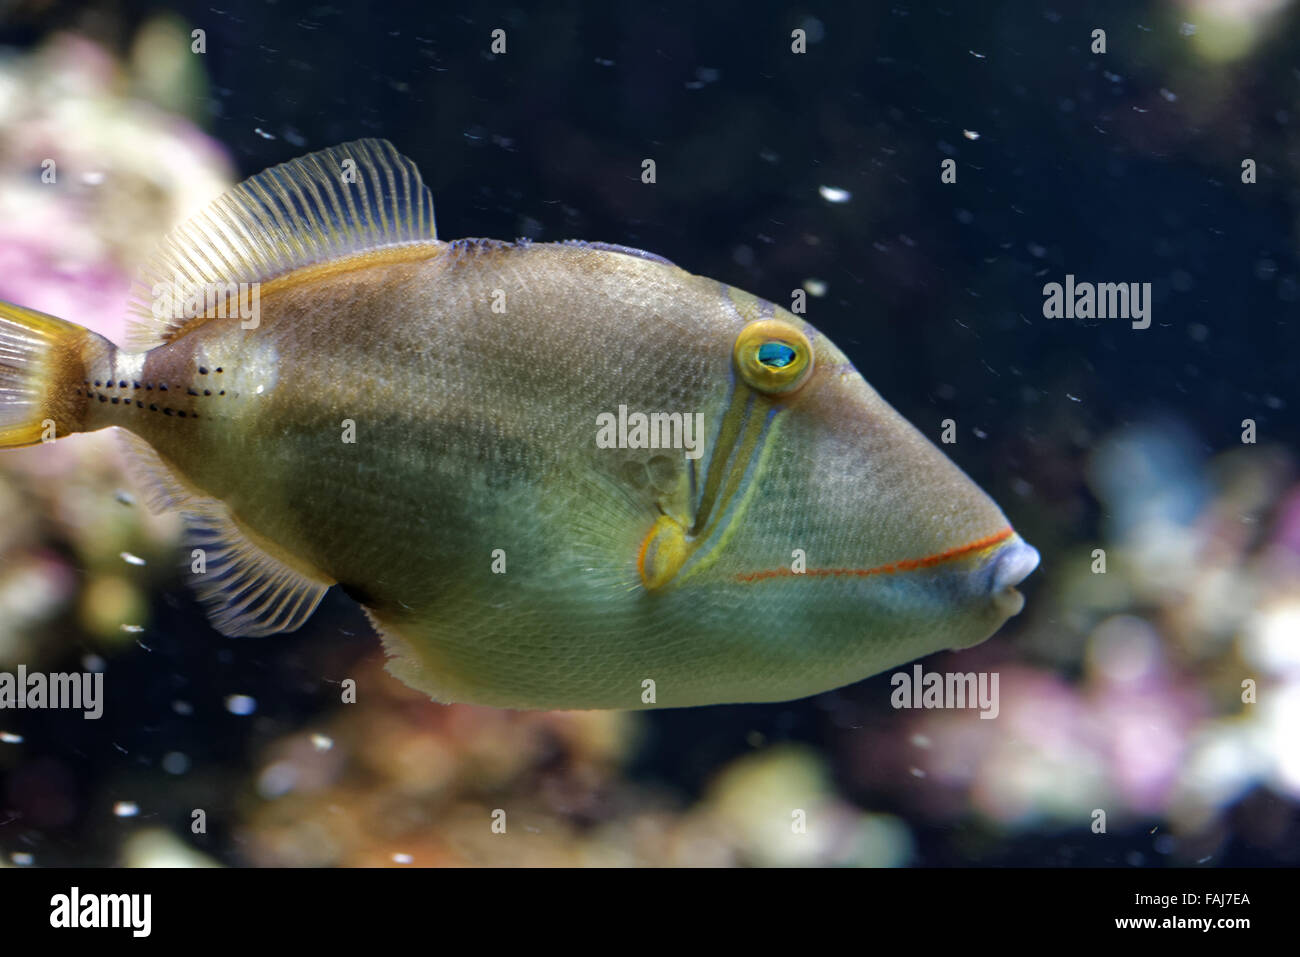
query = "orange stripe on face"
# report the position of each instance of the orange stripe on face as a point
(906, 565)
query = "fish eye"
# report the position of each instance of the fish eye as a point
(773, 356)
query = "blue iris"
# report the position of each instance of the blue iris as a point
(775, 354)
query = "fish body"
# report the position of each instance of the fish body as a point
(456, 433)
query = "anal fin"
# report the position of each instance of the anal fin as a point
(245, 589)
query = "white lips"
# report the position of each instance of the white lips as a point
(1012, 565)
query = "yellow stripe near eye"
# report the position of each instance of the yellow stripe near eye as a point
(773, 356)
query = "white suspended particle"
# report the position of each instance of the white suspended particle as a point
(8, 737)
(21, 858)
(133, 629)
(834, 194)
(174, 762)
(241, 704)
(970, 134)
(400, 858)
(132, 559)
(322, 742)
(815, 287)
(126, 809)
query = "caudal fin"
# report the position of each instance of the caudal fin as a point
(43, 363)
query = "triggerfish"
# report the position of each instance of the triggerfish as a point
(556, 475)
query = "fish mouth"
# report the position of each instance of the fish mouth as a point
(1011, 564)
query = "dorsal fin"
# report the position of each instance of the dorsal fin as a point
(335, 202)
(617, 248)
